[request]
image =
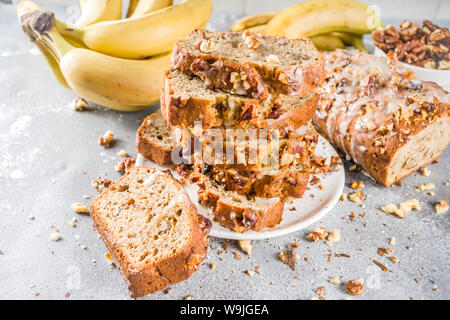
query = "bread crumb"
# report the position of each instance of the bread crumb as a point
(31, 217)
(79, 207)
(86, 196)
(428, 186)
(212, 265)
(122, 153)
(73, 222)
(250, 273)
(356, 185)
(318, 233)
(334, 236)
(356, 196)
(84, 247)
(106, 139)
(94, 261)
(426, 172)
(109, 258)
(353, 168)
(355, 287)
(392, 241)
(343, 197)
(335, 281)
(441, 207)
(80, 104)
(246, 246)
(56, 236)
(405, 207)
(394, 259)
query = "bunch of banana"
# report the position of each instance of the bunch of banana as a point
(129, 77)
(330, 24)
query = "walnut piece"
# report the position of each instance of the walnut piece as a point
(246, 246)
(318, 233)
(80, 104)
(355, 287)
(106, 139)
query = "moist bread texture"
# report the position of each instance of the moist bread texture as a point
(152, 230)
(186, 99)
(237, 212)
(250, 64)
(154, 140)
(381, 116)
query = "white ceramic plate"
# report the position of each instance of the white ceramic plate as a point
(441, 77)
(307, 209)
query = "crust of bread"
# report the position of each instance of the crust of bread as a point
(263, 78)
(152, 277)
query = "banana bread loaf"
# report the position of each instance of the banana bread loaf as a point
(250, 64)
(383, 118)
(152, 230)
(154, 140)
(186, 99)
(237, 212)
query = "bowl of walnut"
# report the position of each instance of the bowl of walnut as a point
(423, 49)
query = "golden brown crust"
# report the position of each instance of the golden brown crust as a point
(262, 78)
(151, 277)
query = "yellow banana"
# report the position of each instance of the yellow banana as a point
(141, 37)
(257, 29)
(252, 21)
(314, 17)
(131, 7)
(147, 6)
(327, 42)
(94, 11)
(121, 84)
(349, 39)
(53, 64)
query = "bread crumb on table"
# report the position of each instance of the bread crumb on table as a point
(56, 236)
(318, 233)
(441, 207)
(79, 207)
(335, 281)
(356, 196)
(426, 172)
(246, 246)
(106, 139)
(122, 153)
(80, 104)
(404, 208)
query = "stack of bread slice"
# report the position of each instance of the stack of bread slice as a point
(245, 83)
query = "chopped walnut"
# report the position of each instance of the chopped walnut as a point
(426, 172)
(250, 40)
(318, 233)
(394, 260)
(289, 257)
(80, 104)
(356, 185)
(356, 196)
(250, 273)
(355, 287)
(404, 208)
(79, 207)
(125, 165)
(212, 266)
(246, 246)
(441, 207)
(272, 58)
(106, 139)
(101, 185)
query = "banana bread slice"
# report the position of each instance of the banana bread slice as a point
(286, 178)
(250, 64)
(381, 116)
(154, 140)
(186, 99)
(151, 228)
(237, 212)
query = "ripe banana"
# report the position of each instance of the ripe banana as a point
(121, 84)
(327, 42)
(94, 11)
(349, 39)
(144, 7)
(53, 64)
(252, 21)
(131, 7)
(314, 17)
(141, 37)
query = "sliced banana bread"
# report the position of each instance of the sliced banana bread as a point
(186, 99)
(151, 228)
(250, 64)
(285, 178)
(154, 140)
(237, 212)
(379, 114)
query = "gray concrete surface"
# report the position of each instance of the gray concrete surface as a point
(49, 155)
